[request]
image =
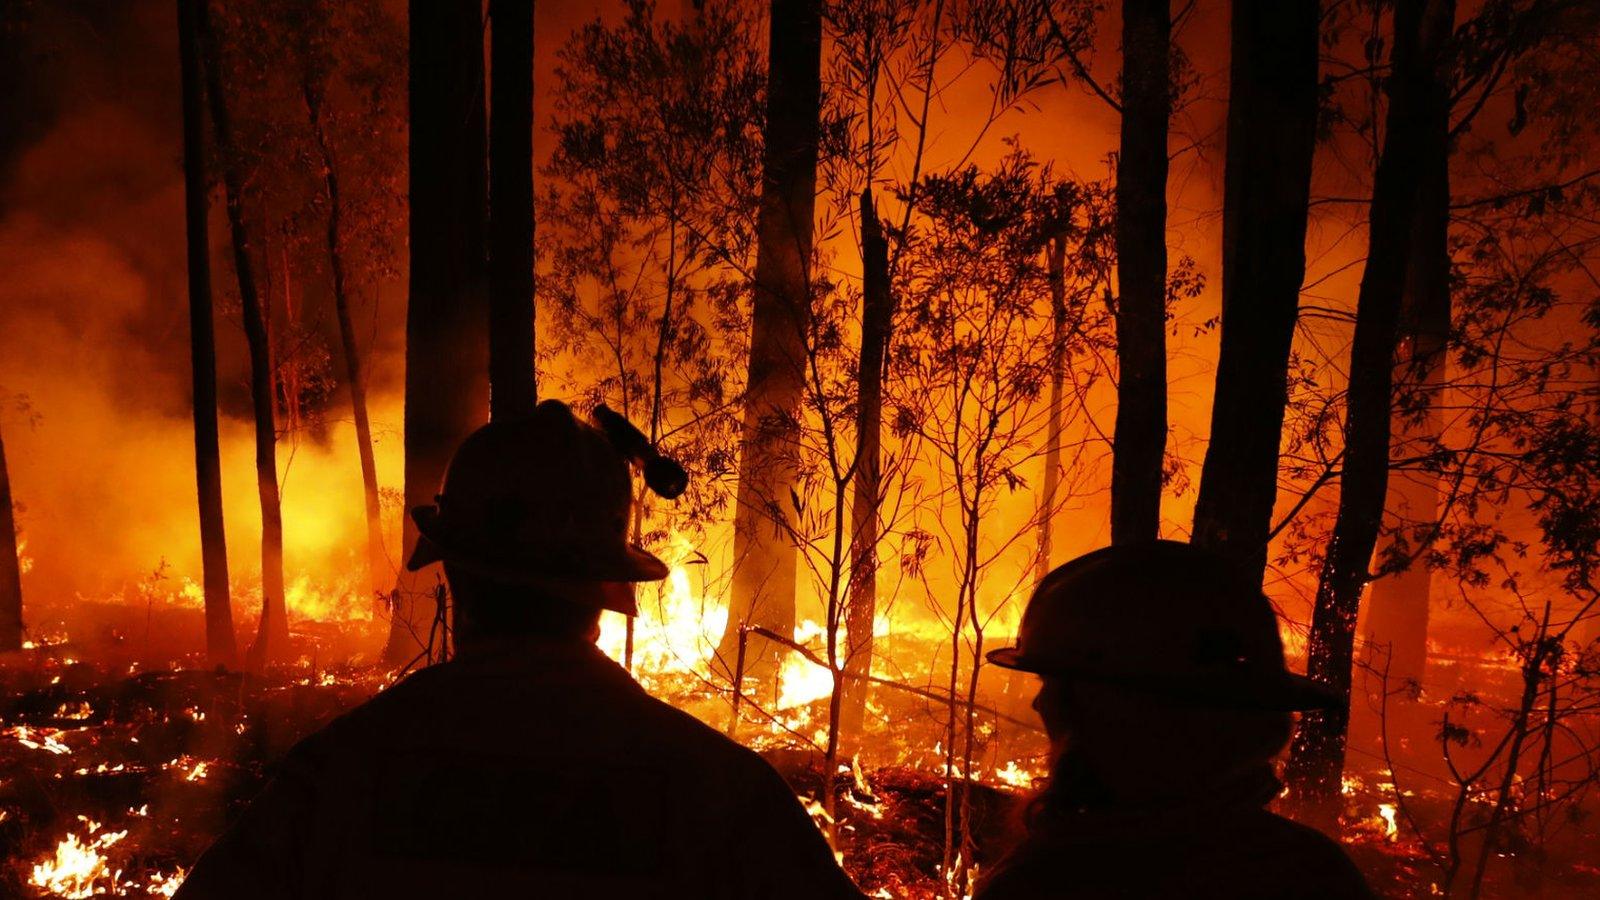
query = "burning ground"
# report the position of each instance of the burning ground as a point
(117, 769)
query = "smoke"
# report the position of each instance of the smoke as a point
(94, 333)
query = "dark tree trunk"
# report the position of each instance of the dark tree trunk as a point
(511, 310)
(1316, 757)
(378, 569)
(763, 584)
(1272, 118)
(1140, 439)
(861, 604)
(272, 637)
(1397, 621)
(220, 646)
(447, 385)
(10, 564)
(1052, 441)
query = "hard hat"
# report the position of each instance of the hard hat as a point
(1163, 617)
(536, 498)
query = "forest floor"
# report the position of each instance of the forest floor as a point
(114, 777)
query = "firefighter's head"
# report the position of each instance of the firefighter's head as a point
(1158, 663)
(532, 526)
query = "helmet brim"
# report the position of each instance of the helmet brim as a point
(1284, 692)
(437, 542)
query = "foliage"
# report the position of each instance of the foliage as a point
(968, 377)
(348, 58)
(647, 227)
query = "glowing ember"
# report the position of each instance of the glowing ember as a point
(77, 711)
(193, 769)
(164, 885)
(1386, 812)
(40, 739)
(1014, 775)
(101, 769)
(78, 868)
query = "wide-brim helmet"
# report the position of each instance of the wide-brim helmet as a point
(1163, 617)
(533, 499)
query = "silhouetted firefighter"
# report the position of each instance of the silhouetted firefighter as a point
(529, 765)
(1165, 697)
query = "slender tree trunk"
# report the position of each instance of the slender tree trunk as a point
(1586, 630)
(10, 564)
(1019, 686)
(1272, 119)
(1317, 754)
(272, 637)
(1397, 621)
(763, 584)
(511, 310)
(220, 646)
(1052, 438)
(378, 568)
(447, 385)
(861, 604)
(1140, 439)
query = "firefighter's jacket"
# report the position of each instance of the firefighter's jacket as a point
(527, 769)
(1198, 851)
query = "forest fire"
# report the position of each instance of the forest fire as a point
(975, 415)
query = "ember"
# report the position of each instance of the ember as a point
(79, 869)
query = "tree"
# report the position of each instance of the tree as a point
(1487, 262)
(1140, 439)
(861, 604)
(10, 564)
(220, 648)
(1272, 116)
(867, 35)
(868, 32)
(511, 305)
(1317, 753)
(272, 637)
(316, 72)
(447, 315)
(763, 583)
(647, 220)
(1492, 42)
(1397, 618)
(972, 370)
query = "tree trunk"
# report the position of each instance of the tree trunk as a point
(1272, 119)
(861, 603)
(220, 646)
(763, 583)
(1140, 439)
(1397, 622)
(1316, 758)
(447, 384)
(1052, 439)
(378, 569)
(10, 564)
(1587, 629)
(272, 637)
(511, 310)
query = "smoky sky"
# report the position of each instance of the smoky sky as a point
(92, 179)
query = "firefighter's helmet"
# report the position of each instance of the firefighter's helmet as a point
(1163, 617)
(533, 499)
